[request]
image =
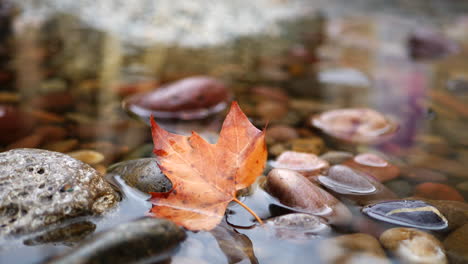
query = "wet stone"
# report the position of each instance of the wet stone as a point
(314, 145)
(428, 44)
(145, 240)
(413, 246)
(336, 157)
(306, 164)
(437, 191)
(423, 175)
(39, 188)
(280, 133)
(355, 186)
(454, 211)
(67, 235)
(400, 188)
(142, 174)
(298, 226)
(375, 166)
(344, 180)
(411, 213)
(190, 98)
(355, 125)
(456, 245)
(296, 191)
(353, 248)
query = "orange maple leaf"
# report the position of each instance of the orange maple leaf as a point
(205, 177)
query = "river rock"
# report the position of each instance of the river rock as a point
(423, 175)
(411, 213)
(306, 164)
(354, 248)
(40, 187)
(336, 157)
(14, 124)
(429, 44)
(295, 190)
(456, 212)
(313, 145)
(437, 191)
(142, 174)
(280, 133)
(355, 125)
(67, 235)
(190, 98)
(375, 166)
(456, 245)
(134, 242)
(298, 226)
(413, 246)
(355, 185)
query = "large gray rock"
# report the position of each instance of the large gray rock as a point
(145, 240)
(39, 188)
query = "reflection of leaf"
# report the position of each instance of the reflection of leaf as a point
(205, 176)
(235, 246)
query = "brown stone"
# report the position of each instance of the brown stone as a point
(353, 248)
(413, 246)
(294, 190)
(456, 245)
(375, 166)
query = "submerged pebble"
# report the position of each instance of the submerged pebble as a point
(456, 245)
(336, 157)
(437, 191)
(413, 246)
(294, 190)
(313, 145)
(344, 180)
(375, 166)
(353, 248)
(298, 226)
(306, 164)
(355, 125)
(354, 185)
(145, 240)
(90, 157)
(142, 174)
(190, 98)
(412, 213)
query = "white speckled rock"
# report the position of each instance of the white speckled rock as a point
(40, 187)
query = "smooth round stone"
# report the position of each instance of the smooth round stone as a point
(344, 180)
(423, 175)
(336, 157)
(190, 98)
(456, 245)
(400, 188)
(280, 133)
(14, 124)
(428, 44)
(412, 213)
(353, 248)
(413, 245)
(134, 242)
(454, 211)
(304, 163)
(142, 174)
(375, 166)
(298, 226)
(355, 125)
(88, 156)
(463, 186)
(296, 191)
(437, 191)
(313, 145)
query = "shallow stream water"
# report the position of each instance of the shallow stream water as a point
(91, 62)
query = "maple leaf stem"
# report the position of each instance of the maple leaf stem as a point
(248, 210)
